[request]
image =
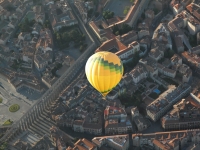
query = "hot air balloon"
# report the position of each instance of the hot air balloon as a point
(104, 71)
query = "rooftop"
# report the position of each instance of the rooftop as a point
(84, 143)
(166, 98)
(185, 110)
(119, 140)
(111, 110)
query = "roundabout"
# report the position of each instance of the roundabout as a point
(14, 108)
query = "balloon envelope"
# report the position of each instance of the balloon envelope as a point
(104, 71)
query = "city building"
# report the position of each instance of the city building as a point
(44, 48)
(184, 115)
(166, 100)
(192, 23)
(167, 140)
(61, 16)
(83, 144)
(43, 143)
(169, 72)
(198, 38)
(60, 138)
(149, 14)
(93, 124)
(155, 54)
(116, 126)
(138, 73)
(124, 52)
(194, 10)
(116, 121)
(103, 30)
(176, 59)
(185, 71)
(177, 9)
(114, 113)
(191, 58)
(162, 36)
(195, 50)
(100, 28)
(179, 44)
(138, 119)
(80, 6)
(118, 142)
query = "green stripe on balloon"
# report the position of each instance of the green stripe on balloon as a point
(106, 65)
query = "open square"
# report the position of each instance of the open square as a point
(14, 115)
(11, 97)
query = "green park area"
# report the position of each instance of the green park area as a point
(3, 146)
(7, 122)
(1, 99)
(26, 25)
(66, 35)
(108, 14)
(134, 100)
(14, 108)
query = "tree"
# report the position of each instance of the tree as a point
(100, 26)
(136, 58)
(171, 53)
(126, 10)
(3, 146)
(115, 29)
(95, 2)
(125, 28)
(168, 53)
(32, 22)
(85, 46)
(83, 37)
(74, 34)
(9, 7)
(26, 25)
(156, 11)
(36, 1)
(46, 24)
(58, 36)
(143, 15)
(81, 48)
(142, 48)
(117, 33)
(89, 13)
(108, 14)
(75, 139)
(65, 37)
(96, 14)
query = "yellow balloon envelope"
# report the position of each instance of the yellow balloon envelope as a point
(104, 71)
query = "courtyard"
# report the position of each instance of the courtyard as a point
(72, 52)
(118, 6)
